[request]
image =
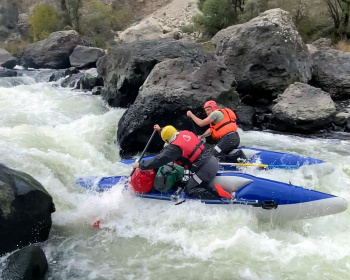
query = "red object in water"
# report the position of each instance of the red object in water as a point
(96, 224)
(222, 192)
(142, 180)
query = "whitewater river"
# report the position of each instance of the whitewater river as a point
(56, 134)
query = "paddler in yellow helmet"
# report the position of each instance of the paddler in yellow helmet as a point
(185, 149)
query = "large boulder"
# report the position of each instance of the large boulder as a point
(332, 72)
(7, 73)
(173, 87)
(303, 108)
(126, 66)
(52, 52)
(149, 29)
(85, 57)
(7, 60)
(27, 263)
(23, 26)
(8, 18)
(25, 210)
(266, 55)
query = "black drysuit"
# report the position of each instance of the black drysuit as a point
(204, 167)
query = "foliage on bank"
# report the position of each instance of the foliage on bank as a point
(313, 19)
(95, 21)
(43, 21)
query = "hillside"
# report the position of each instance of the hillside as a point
(171, 14)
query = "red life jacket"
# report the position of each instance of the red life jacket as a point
(191, 147)
(226, 125)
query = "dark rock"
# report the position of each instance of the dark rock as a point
(7, 60)
(332, 72)
(55, 76)
(323, 44)
(28, 263)
(90, 79)
(266, 54)
(52, 52)
(23, 26)
(245, 116)
(8, 73)
(85, 57)
(72, 81)
(126, 66)
(8, 14)
(25, 210)
(347, 128)
(96, 90)
(303, 108)
(70, 71)
(166, 96)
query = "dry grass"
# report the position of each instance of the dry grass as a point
(14, 48)
(343, 45)
(208, 46)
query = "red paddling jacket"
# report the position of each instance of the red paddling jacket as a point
(191, 147)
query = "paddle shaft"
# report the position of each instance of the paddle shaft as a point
(266, 204)
(243, 164)
(144, 151)
(260, 165)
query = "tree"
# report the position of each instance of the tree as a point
(73, 8)
(216, 15)
(339, 10)
(101, 19)
(43, 21)
(253, 8)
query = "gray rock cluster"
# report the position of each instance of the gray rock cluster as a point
(261, 69)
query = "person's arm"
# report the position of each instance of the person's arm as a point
(168, 154)
(198, 121)
(205, 134)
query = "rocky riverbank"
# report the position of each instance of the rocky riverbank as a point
(261, 69)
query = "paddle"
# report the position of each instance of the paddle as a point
(281, 166)
(144, 151)
(266, 204)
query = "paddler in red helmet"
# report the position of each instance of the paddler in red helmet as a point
(223, 128)
(186, 149)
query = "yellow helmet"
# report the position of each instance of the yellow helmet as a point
(168, 132)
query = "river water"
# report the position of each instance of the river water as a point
(56, 134)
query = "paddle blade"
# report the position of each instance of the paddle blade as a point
(96, 224)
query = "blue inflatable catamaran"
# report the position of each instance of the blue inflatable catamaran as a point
(268, 199)
(262, 159)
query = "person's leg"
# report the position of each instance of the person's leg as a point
(226, 144)
(197, 185)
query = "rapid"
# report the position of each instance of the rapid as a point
(56, 134)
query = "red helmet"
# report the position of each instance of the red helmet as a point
(142, 180)
(212, 104)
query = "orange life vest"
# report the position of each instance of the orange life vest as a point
(226, 125)
(191, 147)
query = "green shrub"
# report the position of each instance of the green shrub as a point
(188, 28)
(216, 15)
(43, 21)
(252, 9)
(121, 18)
(311, 28)
(100, 20)
(200, 4)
